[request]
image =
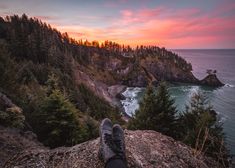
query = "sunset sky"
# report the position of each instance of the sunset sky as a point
(169, 23)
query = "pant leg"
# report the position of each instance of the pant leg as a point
(115, 163)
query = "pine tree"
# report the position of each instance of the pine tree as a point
(57, 123)
(157, 112)
(201, 130)
(58, 119)
(143, 116)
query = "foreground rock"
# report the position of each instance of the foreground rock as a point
(144, 149)
(211, 80)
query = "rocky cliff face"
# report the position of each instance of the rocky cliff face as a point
(144, 149)
(139, 72)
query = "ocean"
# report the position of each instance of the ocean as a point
(222, 99)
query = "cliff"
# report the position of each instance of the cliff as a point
(143, 148)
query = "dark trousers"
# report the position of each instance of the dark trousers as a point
(115, 163)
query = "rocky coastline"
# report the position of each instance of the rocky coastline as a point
(209, 80)
(108, 77)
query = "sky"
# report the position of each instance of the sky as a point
(166, 23)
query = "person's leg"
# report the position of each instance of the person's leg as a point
(115, 163)
(112, 145)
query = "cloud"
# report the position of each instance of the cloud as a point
(172, 28)
(140, 16)
(179, 27)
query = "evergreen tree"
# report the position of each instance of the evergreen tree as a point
(57, 120)
(200, 129)
(57, 123)
(156, 112)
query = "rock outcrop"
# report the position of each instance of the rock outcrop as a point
(144, 149)
(211, 80)
(167, 70)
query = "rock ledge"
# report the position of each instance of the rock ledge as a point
(144, 149)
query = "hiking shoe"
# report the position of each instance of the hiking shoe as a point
(106, 142)
(119, 141)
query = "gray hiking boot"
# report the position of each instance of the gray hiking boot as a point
(106, 142)
(119, 141)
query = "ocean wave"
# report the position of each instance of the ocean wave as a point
(131, 103)
(229, 85)
(131, 92)
(193, 90)
(185, 89)
(222, 119)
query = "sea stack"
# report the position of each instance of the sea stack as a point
(211, 79)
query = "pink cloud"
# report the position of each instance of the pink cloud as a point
(137, 17)
(127, 13)
(186, 27)
(181, 28)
